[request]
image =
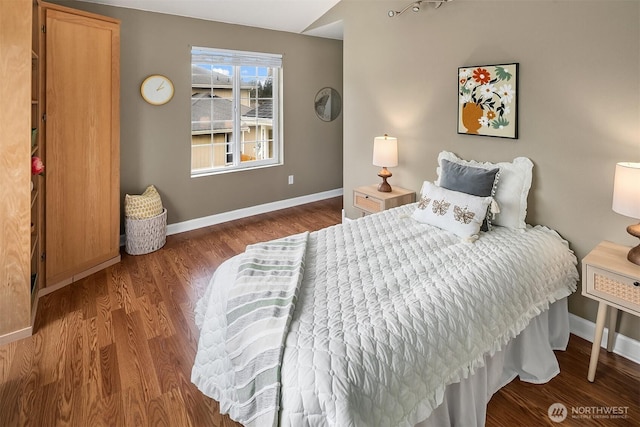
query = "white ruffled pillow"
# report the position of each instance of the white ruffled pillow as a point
(512, 192)
(459, 213)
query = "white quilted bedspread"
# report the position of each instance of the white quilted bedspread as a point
(390, 312)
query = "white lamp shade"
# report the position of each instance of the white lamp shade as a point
(385, 151)
(626, 189)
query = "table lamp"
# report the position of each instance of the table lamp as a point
(385, 155)
(626, 200)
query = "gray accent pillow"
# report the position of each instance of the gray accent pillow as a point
(467, 179)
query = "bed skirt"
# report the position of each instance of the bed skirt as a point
(528, 356)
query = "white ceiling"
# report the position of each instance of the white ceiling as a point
(284, 15)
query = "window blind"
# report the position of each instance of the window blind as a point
(205, 55)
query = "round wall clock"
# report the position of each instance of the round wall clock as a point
(327, 104)
(157, 89)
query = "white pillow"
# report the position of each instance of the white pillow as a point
(512, 192)
(460, 213)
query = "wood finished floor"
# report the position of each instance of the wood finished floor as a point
(116, 348)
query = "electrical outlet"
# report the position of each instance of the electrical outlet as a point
(290, 179)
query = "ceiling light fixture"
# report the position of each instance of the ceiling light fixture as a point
(415, 6)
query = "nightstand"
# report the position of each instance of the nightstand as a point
(369, 200)
(609, 278)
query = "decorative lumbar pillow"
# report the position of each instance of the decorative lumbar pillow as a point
(459, 213)
(512, 191)
(468, 179)
(146, 205)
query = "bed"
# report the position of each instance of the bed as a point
(390, 319)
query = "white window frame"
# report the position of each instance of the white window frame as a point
(237, 59)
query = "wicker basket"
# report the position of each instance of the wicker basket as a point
(145, 235)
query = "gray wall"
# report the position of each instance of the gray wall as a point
(155, 140)
(579, 101)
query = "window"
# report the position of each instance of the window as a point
(235, 110)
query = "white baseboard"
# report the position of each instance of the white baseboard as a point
(345, 218)
(624, 346)
(193, 224)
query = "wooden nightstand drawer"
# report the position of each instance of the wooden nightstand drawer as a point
(369, 200)
(616, 288)
(367, 203)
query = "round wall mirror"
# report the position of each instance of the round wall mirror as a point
(328, 104)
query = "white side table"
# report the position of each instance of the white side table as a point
(608, 277)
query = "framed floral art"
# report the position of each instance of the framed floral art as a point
(488, 100)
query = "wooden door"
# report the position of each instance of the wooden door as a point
(83, 144)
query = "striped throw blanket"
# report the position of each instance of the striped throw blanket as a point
(259, 309)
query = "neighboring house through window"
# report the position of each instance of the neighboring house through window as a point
(235, 110)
